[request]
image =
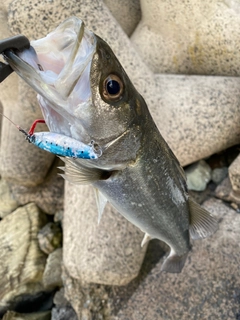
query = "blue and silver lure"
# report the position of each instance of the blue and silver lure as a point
(59, 144)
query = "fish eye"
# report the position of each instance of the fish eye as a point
(112, 87)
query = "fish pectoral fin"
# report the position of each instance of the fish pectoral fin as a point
(174, 263)
(202, 224)
(146, 238)
(79, 174)
(101, 203)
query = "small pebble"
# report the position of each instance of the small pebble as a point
(198, 175)
(219, 174)
(50, 237)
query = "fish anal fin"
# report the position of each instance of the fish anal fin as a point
(146, 238)
(202, 224)
(101, 203)
(174, 263)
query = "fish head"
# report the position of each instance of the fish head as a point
(83, 91)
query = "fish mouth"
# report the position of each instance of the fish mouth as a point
(58, 68)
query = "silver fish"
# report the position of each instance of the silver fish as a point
(84, 93)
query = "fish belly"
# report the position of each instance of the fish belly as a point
(150, 198)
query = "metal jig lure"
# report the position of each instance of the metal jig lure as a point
(60, 144)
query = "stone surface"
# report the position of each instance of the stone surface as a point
(53, 270)
(50, 237)
(51, 190)
(90, 301)
(127, 13)
(234, 174)
(7, 201)
(22, 163)
(219, 174)
(11, 315)
(198, 116)
(190, 37)
(21, 261)
(108, 253)
(62, 310)
(207, 288)
(225, 192)
(64, 313)
(198, 175)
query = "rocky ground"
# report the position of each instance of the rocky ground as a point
(34, 284)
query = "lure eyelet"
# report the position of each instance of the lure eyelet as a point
(112, 88)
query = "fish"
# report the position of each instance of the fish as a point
(84, 93)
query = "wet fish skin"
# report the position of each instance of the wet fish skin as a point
(147, 184)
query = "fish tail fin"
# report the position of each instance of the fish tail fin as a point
(174, 263)
(202, 224)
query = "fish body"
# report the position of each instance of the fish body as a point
(85, 94)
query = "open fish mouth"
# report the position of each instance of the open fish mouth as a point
(58, 68)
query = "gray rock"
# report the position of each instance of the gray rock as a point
(127, 13)
(62, 310)
(198, 175)
(207, 288)
(108, 253)
(50, 237)
(7, 201)
(225, 192)
(234, 174)
(64, 313)
(218, 174)
(190, 37)
(53, 270)
(51, 190)
(90, 301)
(21, 261)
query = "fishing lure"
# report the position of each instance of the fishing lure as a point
(60, 144)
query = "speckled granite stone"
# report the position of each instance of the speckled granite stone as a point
(208, 287)
(48, 196)
(127, 13)
(197, 115)
(192, 37)
(108, 253)
(234, 175)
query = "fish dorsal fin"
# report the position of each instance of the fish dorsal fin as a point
(146, 238)
(101, 203)
(77, 173)
(202, 224)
